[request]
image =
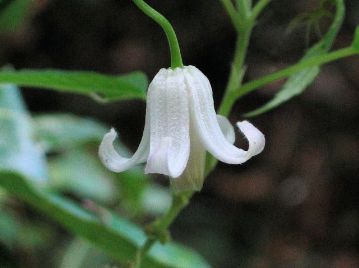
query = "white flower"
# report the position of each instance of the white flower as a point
(181, 125)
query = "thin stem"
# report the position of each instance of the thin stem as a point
(237, 71)
(234, 82)
(232, 13)
(176, 58)
(244, 7)
(315, 61)
(258, 8)
(159, 229)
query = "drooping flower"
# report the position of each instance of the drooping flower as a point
(180, 126)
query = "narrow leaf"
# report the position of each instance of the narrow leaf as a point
(297, 83)
(111, 88)
(116, 236)
(78, 171)
(355, 43)
(18, 151)
(13, 14)
(65, 131)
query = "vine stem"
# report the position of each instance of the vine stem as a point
(176, 58)
(312, 62)
(158, 230)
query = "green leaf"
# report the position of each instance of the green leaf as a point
(8, 228)
(297, 83)
(111, 88)
(21, 162)
(355, 43)
(13, 14)
(17, 148)
(118, 237)
(58, 132)
(80, 172)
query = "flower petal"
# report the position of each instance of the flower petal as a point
(213, 139)
(256, 140)
(193, 176)
(117, 163)
(226, 128)
(169, 120)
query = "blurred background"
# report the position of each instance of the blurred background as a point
(295, 205)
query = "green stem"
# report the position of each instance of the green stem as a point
(237, 71)
(159, 229)
(312, 62)
(232, 13)
(244, 8)
(258, 8)
(234, 81)
(176, 58)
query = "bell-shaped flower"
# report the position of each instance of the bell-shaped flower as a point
(180, 126)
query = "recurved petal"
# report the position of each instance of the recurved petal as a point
(256, 140)
(227, 128)
(116, 162)
(211, 135)
(169, 120)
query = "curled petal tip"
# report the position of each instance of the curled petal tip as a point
(255, 137)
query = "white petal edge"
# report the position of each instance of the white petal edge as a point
(226, 128)
(255, 138)
(169, 120)
(212, 137)
(116, 162)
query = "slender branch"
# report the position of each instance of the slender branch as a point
(176, 58)
(237, 71)
(258, 8)
(232, 13)
(158, 230)
(244, 7)
(312, 62)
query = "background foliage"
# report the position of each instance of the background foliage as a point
(295, 205)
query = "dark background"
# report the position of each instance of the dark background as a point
(296, 204)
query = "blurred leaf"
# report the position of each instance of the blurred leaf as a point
(115, 235)
(65, 131)
(8, 228)
(2, 196)
(156, 199)
(13, 14)
(80, 172)
(75, 254)
(129, 86)
(132, 185)
(355, 43)
(140, 196)
(33, 235)
(297, 83)
(81, 254)
(17, 149)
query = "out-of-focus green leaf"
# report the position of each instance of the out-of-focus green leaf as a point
(17, 148)
(81, 254)
(75, 254)
(141, 197)
(156, 199)
(8, 228)
(2, 196)
(129, 86)
(118, 237)
(297, 83)
(65, 131)
(80, 172)
(355, 43)
(13, 14)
